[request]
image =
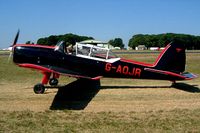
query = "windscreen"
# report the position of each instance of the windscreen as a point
(60, 46)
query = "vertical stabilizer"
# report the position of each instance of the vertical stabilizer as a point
(172, 58)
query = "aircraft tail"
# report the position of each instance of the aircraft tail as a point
(172, 58)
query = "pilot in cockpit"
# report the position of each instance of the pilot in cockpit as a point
(69, 49)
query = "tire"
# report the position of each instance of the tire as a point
(39, 88)
(53, 82)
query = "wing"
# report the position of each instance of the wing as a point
(60, 71)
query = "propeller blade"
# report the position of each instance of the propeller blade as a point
(16, 38)
(10, 55)
(14, 43)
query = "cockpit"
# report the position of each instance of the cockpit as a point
(88, 51)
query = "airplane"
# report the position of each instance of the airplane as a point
(92, 62)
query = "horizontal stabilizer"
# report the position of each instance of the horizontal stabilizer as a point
(188, 75)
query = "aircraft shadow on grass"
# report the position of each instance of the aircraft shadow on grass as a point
(180, 86)
(187, 87)
(132, 87)
(78, 94)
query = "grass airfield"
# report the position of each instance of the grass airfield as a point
(119, 105)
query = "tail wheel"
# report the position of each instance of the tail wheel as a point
(53, 82)
(39, 88)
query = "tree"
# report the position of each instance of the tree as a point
(117, 42)
(52, 40)
(136, 40)
(67, 38)
(29, 42)
(42, 41)
(161, 40)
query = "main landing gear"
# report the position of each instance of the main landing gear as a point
(40, 87)
(53, 81)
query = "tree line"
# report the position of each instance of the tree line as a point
(159, 40)
(67, 38)
(72, 39)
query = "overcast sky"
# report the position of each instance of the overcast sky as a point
(101, 19)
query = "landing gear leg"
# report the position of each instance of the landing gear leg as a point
(40, 88)
(173, 83)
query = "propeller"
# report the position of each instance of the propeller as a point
(14, 43)
(16, 38)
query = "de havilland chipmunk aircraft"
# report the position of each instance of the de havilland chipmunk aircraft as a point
(93, 62)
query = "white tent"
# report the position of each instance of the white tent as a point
(92, 42)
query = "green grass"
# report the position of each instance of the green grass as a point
(4, 51)
(111, 110)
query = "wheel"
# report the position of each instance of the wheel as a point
(53, 81)
(39, 88)
(173, 83)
